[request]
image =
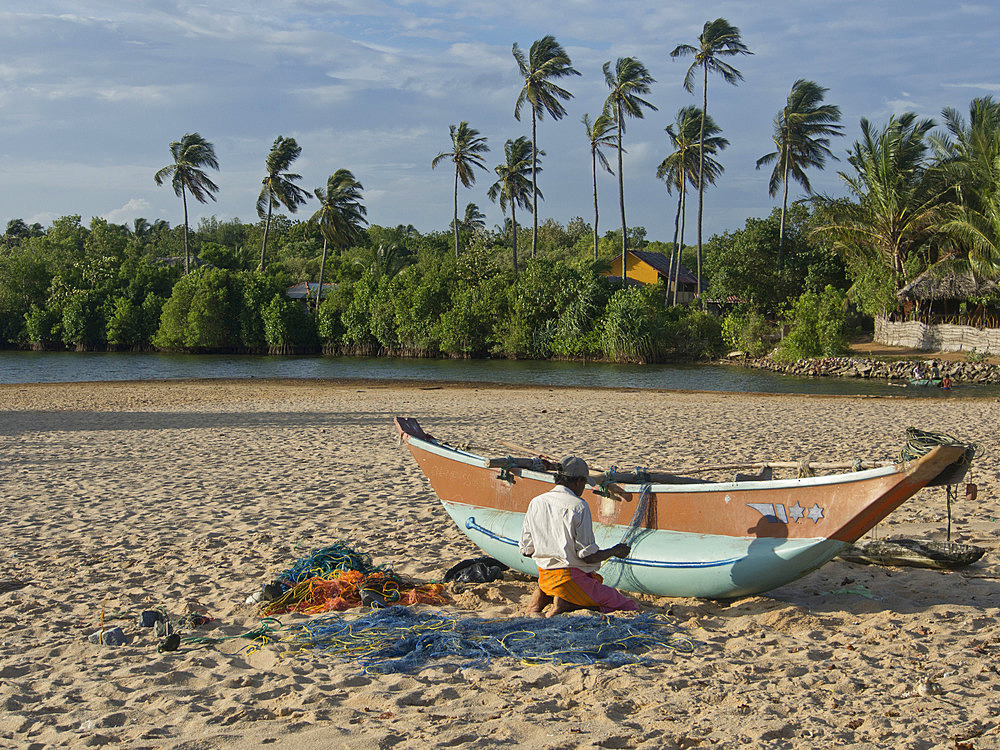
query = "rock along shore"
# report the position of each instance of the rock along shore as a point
(855, 367)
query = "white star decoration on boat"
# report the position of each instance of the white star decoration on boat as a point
(815, 513)
(795, 512)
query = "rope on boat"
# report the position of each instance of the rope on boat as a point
(921, 442)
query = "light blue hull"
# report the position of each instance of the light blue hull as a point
(665, 563)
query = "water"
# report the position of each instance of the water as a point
(56, 367)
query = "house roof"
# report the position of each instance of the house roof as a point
(298, 291)
(661, 263)
(949, 279)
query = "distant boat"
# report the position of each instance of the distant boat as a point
(696, 538)
(926, 382)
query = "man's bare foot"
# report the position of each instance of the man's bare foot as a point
(562, 605)
(537, 604)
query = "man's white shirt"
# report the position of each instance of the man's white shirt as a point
(558, 530)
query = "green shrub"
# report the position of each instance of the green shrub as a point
(172, 330)
(83, 322)
(817, 328)
(329, 318)
(43, 326)
(126, 326)
(747, 331)
(288, 326)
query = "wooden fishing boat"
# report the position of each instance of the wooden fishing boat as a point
(694, 537)
(926, 382)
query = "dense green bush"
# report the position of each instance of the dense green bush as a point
(43, 327)
(818, 324)
(747, 330)
(289, 328)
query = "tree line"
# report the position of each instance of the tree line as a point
(394, 291)
(919, 197)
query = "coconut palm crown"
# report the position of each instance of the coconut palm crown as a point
(802, 131)
(969, 158)
(899, 202)
(546, 62)
(340, 217)
(628, 81)
(192, 154)
(600, 136)
(718, 39)
(467, 145)
(680, 169)
(278, 188)
(513, 185)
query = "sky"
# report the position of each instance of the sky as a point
(93, 92)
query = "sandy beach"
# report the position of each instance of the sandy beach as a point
(118, 497)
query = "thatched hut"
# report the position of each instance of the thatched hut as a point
(943, 293)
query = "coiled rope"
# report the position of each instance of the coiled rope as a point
(922, 442)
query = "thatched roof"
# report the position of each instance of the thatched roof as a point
(949, 279)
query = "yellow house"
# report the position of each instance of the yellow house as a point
(649, 268)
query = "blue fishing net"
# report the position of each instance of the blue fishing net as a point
(397, 639)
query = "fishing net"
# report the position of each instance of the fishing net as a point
(617, 572)
(401, 640)
(336, 578)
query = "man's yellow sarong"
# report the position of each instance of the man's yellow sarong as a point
(561, 583)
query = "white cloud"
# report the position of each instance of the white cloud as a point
(131, 210)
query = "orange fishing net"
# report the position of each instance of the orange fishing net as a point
(343, 589)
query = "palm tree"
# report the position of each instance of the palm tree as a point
(192, 154)
(466, 146)
(474, 219)
(141, 227)
(970, 159)
(390, 255)
(514, 184)
(802, 131)
(278, 188)
(899, 204)
(718, 39)
(546, 62)
(340, 217)
(627, 81)
(680, 169)
(600, 136)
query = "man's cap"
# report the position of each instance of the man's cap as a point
(573, 467)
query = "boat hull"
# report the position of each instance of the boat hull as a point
(665, 563)
(713, 540)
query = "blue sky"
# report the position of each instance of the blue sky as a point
(92, 93)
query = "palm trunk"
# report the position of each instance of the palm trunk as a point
(267, 228)
(187, 254)
(675, 251)
(534, 186)
(456, 212)
(680, 246)
(784, 208)
(513, 233)
(322, 267)
(593, 171)
(621, 190)
(701, 171)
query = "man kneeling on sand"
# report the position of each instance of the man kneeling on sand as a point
(558, 533)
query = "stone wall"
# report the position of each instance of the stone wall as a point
(937, 338)
(852, 367)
